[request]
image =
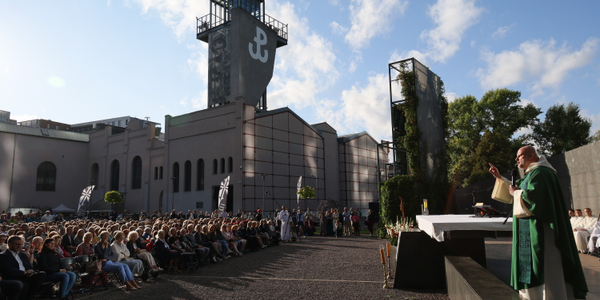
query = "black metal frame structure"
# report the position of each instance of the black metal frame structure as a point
(220, 15)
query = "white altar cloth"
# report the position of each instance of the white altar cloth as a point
(436, 225)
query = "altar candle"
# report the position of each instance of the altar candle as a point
(382, 256)
(388, 246)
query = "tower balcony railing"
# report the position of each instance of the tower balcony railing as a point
(210, 21)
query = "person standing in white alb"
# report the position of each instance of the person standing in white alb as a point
(285, 219)
(584, 229)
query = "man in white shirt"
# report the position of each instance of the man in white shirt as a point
(47, 217)
(14, 265)
(584, 229)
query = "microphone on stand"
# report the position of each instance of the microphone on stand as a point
(514, 174)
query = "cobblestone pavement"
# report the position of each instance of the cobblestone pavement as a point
(314, 268)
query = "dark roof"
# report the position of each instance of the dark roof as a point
(348, 137)
(44, 132)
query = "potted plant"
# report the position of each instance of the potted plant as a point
(113, 197)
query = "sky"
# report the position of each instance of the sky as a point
(77, 61)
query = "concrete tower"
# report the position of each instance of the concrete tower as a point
(242, 40)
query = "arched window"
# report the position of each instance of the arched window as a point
(200, 175)
(94, 175)
(230, 165)
(175, 178)
(136, 173)
(222, 165)
(215, 166)
(160, 172)
(187, 183)
(114, 175)
(155, 173)
(46, 177)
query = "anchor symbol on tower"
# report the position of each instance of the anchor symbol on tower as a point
(260, 39)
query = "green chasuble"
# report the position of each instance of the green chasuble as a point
(544, 198)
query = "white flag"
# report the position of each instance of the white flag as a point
(223, 194)
(298, 186)
(85, 197)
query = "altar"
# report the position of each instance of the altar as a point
(420, 254)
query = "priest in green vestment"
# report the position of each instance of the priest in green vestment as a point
(545, 262)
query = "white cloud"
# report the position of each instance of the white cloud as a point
(453, 18)
(23, 117)
(368, 108)
(535, 62)
(180, 15)
(55, 81)
(421, 57)
(501, 32)
(303, 68)
(337, 28)
(451, 96)
(370, 18)
(198, 62)
(184, 101)
(595, 119)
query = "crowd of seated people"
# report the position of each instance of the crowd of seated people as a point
(31, 252)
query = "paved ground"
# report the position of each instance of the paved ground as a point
(316, 268)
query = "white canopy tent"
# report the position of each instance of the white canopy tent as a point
(62, 209)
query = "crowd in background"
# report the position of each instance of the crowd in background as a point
(128, 245)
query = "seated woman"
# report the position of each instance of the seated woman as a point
(135, 246)
(3, 244)
(164, 253)
(62, 253)
(78, 238)
(37, 243)
(121, 254)
(214, 237)
(204, 242)
(255, 231)
(86, 247)
(237, 236)
(104, 253)
(206, 238)
(49, 262)
(231, 242)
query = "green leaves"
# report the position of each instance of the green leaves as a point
(306, 192)
(482, 131)
(113, 197)
(563, 129)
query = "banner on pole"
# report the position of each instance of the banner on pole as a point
(298, 186)
(223, 194)
(85, 197)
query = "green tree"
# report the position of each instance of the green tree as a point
(595, 137)
(113, 197)
(562, 130)
(500, 113)
(306, 192)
